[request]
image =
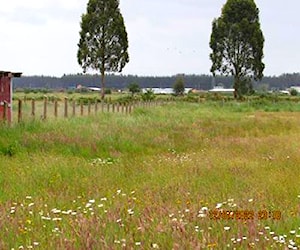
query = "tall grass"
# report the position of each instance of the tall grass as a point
(158, 178)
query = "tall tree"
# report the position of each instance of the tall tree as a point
(103, 43)
(237, 44)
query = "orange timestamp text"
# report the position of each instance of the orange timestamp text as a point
(220, 214)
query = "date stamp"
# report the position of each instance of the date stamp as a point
(244, 215)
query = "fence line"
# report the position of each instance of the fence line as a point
(64, 108)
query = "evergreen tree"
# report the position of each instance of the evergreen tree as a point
(237, 44)
(103, 40)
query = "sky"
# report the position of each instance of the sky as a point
(166, 37)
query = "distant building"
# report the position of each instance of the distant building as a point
(297, 88)
(164, 91)
(219, 89)
(6, 94)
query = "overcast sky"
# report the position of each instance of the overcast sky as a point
(166, 37)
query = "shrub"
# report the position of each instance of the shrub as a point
(294, 92)
(148, 95)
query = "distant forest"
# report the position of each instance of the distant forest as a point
(201, 82)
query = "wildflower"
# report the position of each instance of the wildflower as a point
(138, 243)
(35, 243)
(119, 191)
(100, 205)
(30, 204)
(155, 246)
(56, 219)
(292, 232)
(267, 228)
(55, 230)
(103, 199)
(130, 211)
(226, 228)
(45, 218)
(28, 197)
(250, 200)
(56, 211)
(219, 205)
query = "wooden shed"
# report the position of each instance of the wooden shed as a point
(6, 83)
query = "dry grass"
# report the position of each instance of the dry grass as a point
(162, 178)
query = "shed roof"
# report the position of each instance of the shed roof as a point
(10, 74)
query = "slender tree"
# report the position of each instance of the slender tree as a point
(103, 43)
(237, 44)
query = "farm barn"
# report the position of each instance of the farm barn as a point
(6, 94)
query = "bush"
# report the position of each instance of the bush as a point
(294, 92)
(148, 95)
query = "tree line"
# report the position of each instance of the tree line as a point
(116, 81)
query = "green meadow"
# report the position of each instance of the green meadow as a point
(183, 175)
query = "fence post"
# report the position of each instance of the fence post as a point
(81, 107)
(45, 107)
(55, 108)
(102, 105)
(33, 107)
(19, 110)
(89, 107)
(108, 106)
(66, 107)
(130, 108)
(96, 106)
(74, 108)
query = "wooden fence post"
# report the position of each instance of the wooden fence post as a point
(33, 107)
(66, 107)
(108, 106)
(89, 107)
(81, 108)
(102, 105)
(130, 108)
(74, 107)
(19, 110)
(96, 106)
(45, 107)
(55, 108)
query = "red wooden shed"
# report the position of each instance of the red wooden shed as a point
(6, 94)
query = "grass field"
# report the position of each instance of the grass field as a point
(179, 176)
